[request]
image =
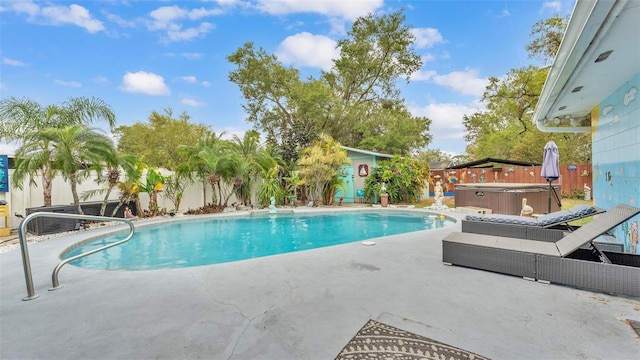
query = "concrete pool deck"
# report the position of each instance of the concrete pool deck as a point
(304, 305)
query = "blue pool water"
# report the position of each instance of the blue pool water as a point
(219, 240)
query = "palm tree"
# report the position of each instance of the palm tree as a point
(128, 163)
(249, 148)
(24, 120)
(21, 117)
(76, 150)
(32, 158)
(211, 160)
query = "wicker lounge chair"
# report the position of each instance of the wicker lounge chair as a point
(562, 262)
(548, 227)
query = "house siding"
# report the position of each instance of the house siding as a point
(616, 157)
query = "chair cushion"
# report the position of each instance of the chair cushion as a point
(557, 217)
(504, 219)
(583, 210)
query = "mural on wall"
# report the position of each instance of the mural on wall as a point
(616, 169)
(4, 173)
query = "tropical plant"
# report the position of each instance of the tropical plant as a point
(319, 165)
(174, 188)
(154, 183)
(293, 181)
(403, 178)
(271, 187)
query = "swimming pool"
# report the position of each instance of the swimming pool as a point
(225, 239)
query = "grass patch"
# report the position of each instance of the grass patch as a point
(569, 203)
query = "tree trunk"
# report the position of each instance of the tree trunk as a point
(73, 181)
(46, 184)
(103, 208)
(139, 211)
(204, 194)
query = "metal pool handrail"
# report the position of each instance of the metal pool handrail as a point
(54, 277)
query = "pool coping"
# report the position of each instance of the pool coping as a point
(94, 234)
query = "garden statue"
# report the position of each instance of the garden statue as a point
(383, 189)
(438, 195)
(272, 207)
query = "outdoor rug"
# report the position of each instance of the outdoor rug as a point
(380, 341)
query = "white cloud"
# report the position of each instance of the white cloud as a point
(190, 33)
(12, 62)
(27, 7)
(426, 37)
(168, 18)
(206, 84)
(191, 56)
(423, 75)
(202, 12)
(427, 58)
(68, 83)
(465, 82)
(101, 80)
(145, 83)
(446, 119)
(552, 6)
(189, 78)
(73, 14)
(191, 102)
(335, 8)
(163, 17)
(305, 49)
(56, 14)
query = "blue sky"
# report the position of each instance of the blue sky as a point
(140, 56)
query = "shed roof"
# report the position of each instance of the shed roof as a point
(491, 162)
(367, 152)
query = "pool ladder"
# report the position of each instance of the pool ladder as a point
(31, 294)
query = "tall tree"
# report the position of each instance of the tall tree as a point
(505, 129)
(377, 52)
(359, 92)
(25, 120)
(547, 35)
(157, 141)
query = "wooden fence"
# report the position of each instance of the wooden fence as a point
(572, 177)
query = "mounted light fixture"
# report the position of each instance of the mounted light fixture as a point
(569, 121)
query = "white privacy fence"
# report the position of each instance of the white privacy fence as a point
(31, 196)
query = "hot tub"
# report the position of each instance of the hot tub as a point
(506, 198)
